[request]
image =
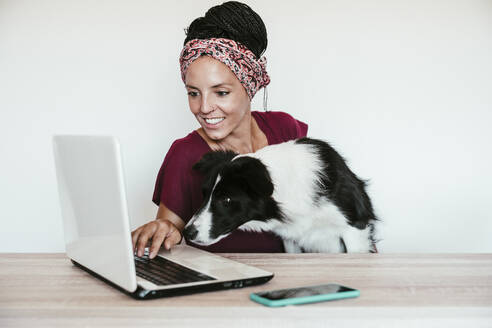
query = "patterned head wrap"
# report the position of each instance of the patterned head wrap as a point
(242, 61)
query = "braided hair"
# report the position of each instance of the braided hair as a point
(232, 20)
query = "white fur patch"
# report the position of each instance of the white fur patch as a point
(203, 222)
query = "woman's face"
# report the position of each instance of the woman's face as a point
(216, 97)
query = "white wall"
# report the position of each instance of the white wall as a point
(403, 89)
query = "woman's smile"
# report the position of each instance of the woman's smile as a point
(214, 122)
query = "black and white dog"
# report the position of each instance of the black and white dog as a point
(301, 190)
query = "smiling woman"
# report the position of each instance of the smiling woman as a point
(222, 68)
(221, 105)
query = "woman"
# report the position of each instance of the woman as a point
(222, 68)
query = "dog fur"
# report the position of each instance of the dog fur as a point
(302, 190)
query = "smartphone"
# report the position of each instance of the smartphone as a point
(302, 295)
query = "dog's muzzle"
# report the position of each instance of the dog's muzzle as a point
(190, 232)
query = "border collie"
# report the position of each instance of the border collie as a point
(301, 190)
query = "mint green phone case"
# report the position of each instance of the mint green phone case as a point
(304, 299)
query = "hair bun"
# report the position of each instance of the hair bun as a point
(231, 20)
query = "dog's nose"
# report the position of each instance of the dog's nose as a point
(190, 232)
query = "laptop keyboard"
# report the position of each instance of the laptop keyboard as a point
(161, 271)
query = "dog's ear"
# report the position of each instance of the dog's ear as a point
(210, 165)
(254, 175)
(213, 160)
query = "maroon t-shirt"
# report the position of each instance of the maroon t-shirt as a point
(178, 186)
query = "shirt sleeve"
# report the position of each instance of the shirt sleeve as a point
(301, 129)
(290, 127)
(172, 187)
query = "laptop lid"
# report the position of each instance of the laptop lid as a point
(93, 204)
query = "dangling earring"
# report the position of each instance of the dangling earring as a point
(265, 98)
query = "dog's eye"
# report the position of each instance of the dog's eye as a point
(226, 201)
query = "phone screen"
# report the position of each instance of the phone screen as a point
(282, 294)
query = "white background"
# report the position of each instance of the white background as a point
(403, 89)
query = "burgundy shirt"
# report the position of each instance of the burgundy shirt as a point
(178, 186)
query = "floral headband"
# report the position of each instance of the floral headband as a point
(242, 61)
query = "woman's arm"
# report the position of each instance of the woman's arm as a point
(164, 213)
(165, 229)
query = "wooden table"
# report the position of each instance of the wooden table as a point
(397, 290)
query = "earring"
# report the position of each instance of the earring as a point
(265, 99)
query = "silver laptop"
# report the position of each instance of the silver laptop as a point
(97, 229)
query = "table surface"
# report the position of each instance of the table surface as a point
(397, 290)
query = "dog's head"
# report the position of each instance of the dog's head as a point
(235, 190)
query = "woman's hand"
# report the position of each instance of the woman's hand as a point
(158, 232)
